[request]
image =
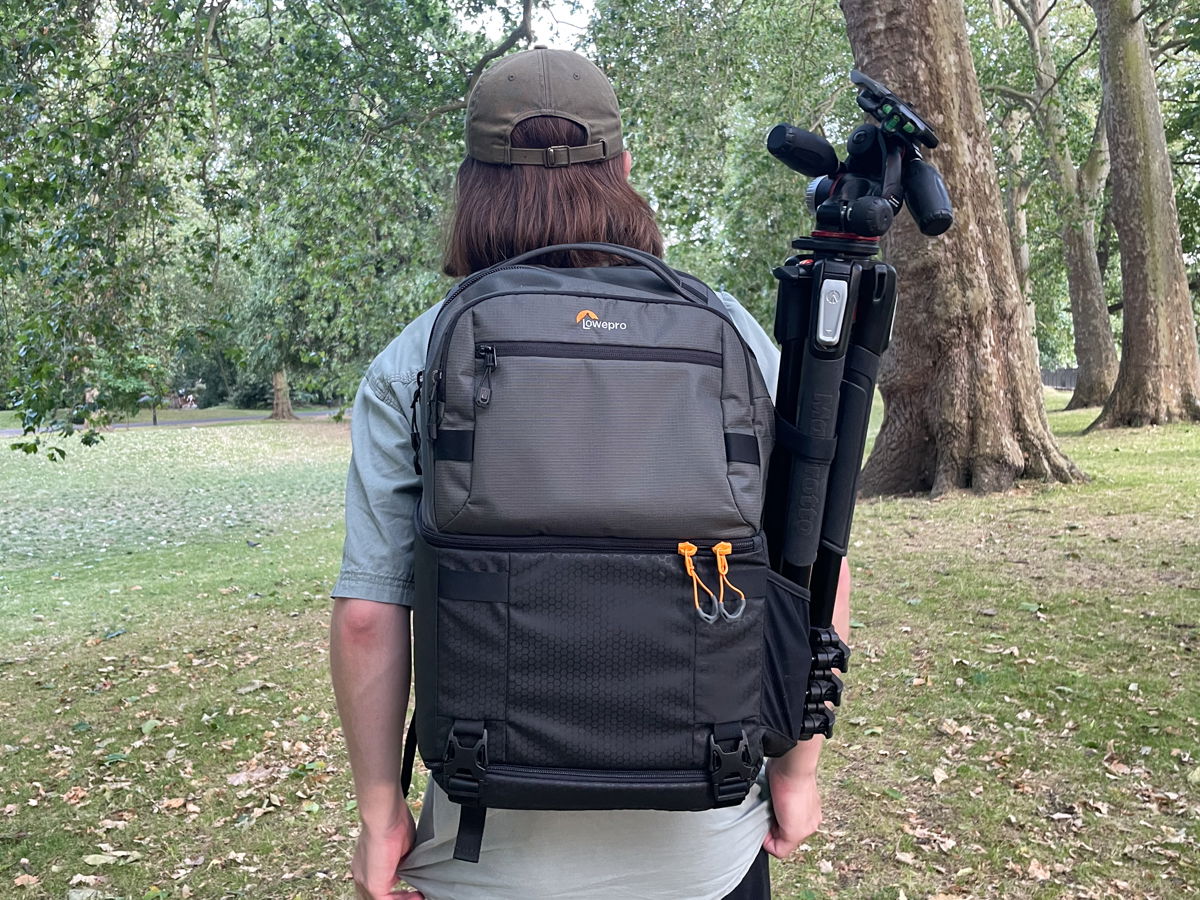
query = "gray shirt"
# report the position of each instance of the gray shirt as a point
(530, 854)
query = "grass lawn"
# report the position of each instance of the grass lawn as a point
(1022, 715)
(167, 416)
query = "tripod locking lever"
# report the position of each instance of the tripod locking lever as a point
(831, 317)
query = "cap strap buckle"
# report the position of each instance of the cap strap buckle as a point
(556, 157)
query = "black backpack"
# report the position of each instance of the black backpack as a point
(596, 625)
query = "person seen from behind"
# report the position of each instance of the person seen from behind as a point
(545, 164)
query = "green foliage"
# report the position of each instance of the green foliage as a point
(700, 92)
(230, 189)
(1006, 70)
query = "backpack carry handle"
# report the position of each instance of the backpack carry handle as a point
(653, 263)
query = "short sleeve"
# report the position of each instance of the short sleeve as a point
(765, 351)
(382, 486)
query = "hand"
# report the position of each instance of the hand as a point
(378, 855)
(796, 810)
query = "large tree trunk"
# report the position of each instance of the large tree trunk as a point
(281, 401)
(1094, 350)
(961, 384)
(1080, 190)
(1159, 377)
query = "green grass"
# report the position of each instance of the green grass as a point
(168, 416)
(1021, 717)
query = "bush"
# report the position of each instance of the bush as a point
(251, 393)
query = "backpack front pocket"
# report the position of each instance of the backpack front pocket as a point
(589, 654)
(588, 439)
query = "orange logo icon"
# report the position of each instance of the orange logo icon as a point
(586, 314)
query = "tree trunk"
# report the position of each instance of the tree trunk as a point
(1080, 190)
(1015, 198)
(1094, 351)
(961, 384)
(1159, 376)
(281, 403)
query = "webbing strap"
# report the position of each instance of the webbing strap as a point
(410, 756)
(862, 360)
(804, 446)
(741, 447)
(471, 820)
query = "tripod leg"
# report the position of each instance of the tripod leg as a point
(869, 337)
(874, 311)
(813, 438)
(791, 330)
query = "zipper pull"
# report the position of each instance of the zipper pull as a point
(487, 353)
(688, 551)
(414, 434)
(722, 551)
(435, 404)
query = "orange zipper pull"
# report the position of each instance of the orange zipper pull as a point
(688, 551)
(723, 551)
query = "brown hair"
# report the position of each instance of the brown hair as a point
(501, 211)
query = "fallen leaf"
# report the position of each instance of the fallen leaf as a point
(88, 880)
(1038, 871)
(26, 880)
(99, 859)
(907, 858)
(939, 775)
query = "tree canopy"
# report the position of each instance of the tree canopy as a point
(200, 196)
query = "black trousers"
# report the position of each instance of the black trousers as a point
(757, 883)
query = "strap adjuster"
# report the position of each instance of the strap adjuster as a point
(557, 157)
(464, 766)
(731, 772)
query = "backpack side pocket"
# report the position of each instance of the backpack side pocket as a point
(787, 661)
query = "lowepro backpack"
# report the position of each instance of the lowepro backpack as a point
(591, 627)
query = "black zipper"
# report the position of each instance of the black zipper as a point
(467, 282)
(457, 312)
(487, 353)
(572, 350)
(513, 543)
(599, 775)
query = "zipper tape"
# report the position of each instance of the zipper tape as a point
(572, 350)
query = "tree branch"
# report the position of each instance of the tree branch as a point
(1158, 50)
(1094, 171)
(1022, 97)
(1070, 62)
(1022, 15)
(826, 105)
(523, 30)
(1046, 14)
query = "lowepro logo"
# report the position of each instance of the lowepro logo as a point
(589, 319)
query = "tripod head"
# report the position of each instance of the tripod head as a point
(859, 198)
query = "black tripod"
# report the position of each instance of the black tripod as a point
(833, 320)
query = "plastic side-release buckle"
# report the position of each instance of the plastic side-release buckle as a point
(731, 771)
(465, 763)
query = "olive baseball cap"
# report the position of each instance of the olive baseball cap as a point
(542, 82)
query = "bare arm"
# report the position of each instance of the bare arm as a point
(370, 653)
(795, 800)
